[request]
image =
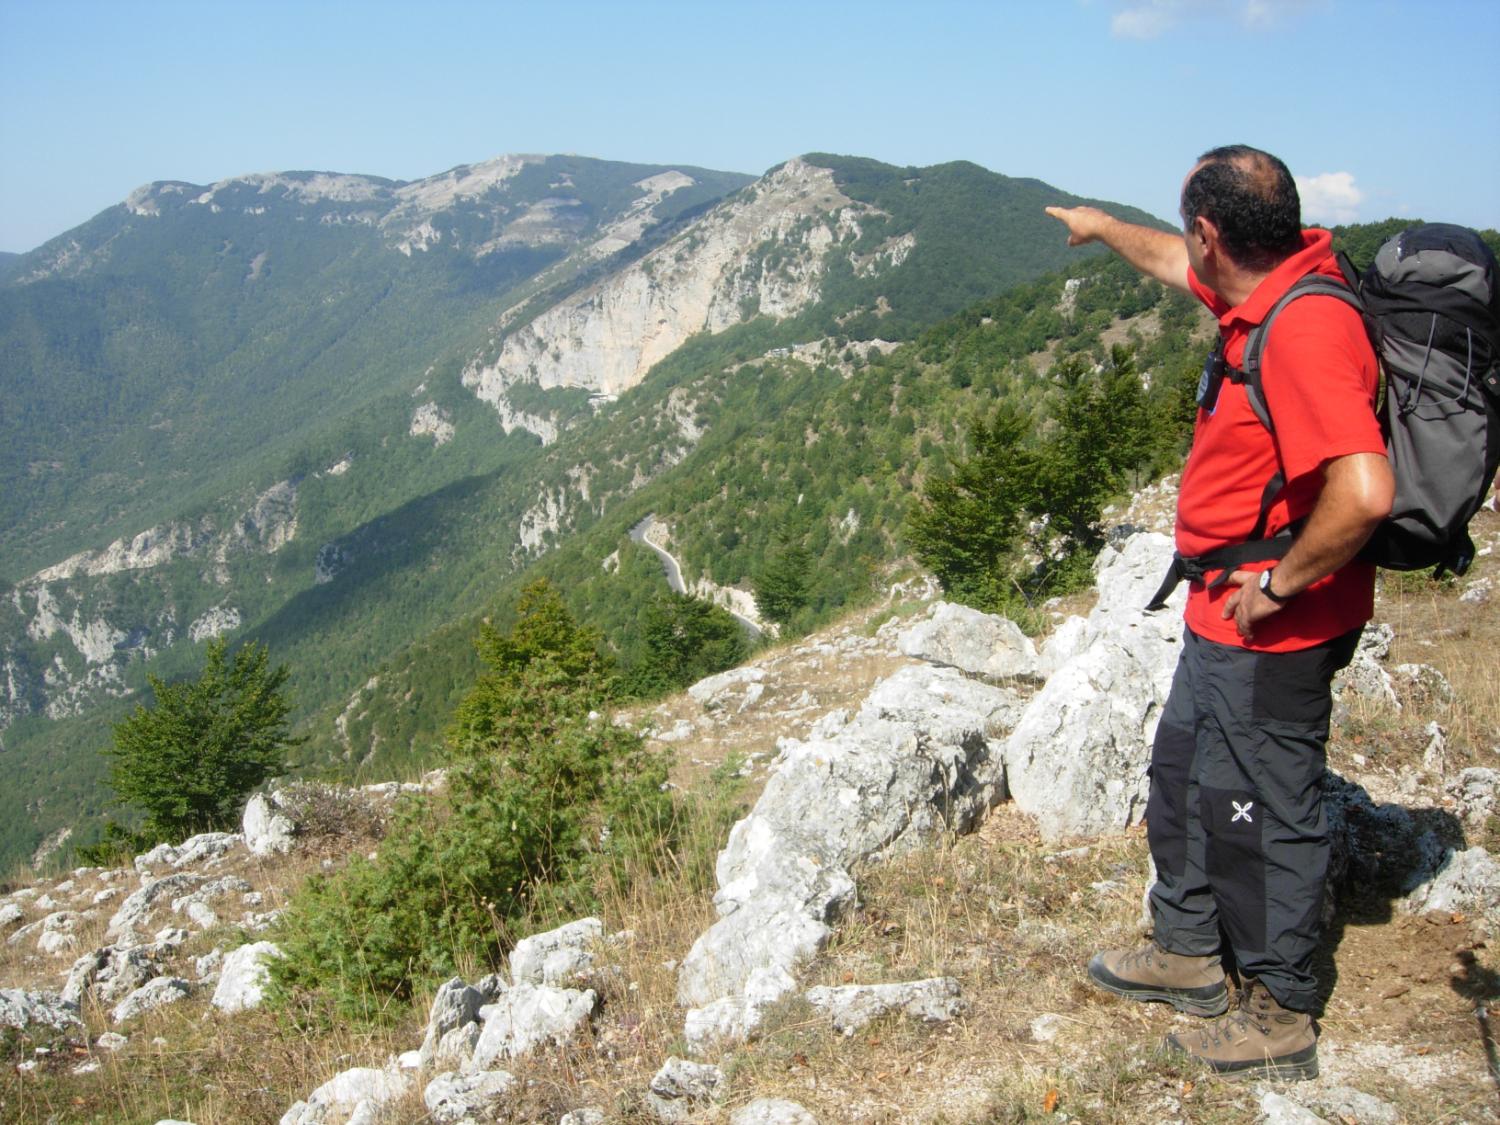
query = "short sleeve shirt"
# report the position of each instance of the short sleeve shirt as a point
(1320, 380)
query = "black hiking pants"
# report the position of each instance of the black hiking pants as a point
(1235, 816)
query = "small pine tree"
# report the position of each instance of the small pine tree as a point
(781, 587)
(685, 639)
(189, 760)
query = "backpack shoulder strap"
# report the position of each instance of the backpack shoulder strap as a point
(1313, 284)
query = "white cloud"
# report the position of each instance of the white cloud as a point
(1147, 21)
(1331, 197)
(1150, 19)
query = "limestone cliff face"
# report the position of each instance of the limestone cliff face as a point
(64, 646)
(715, 274)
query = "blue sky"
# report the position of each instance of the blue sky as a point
(1108, 98)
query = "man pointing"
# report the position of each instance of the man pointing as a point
(1235, 818)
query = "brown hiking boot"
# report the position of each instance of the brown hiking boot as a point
(1190, 984)
(1259, 1039)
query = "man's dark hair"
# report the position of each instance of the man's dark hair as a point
(1252, 199)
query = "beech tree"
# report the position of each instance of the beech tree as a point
(190, 759)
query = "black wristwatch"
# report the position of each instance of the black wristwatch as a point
(1265, 588)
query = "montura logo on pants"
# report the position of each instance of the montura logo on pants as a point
(1242, 812)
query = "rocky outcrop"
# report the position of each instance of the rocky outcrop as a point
(244, 976)
(919, 759)
(607, 337)
(524, 1017)
(1077, 758)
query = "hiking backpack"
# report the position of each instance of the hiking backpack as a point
(1431, 304)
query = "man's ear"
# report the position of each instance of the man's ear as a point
(1207, 234)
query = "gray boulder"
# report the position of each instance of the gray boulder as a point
(852, 1006)
(196, 850)
(455, 1006)
(681, 1088)
(1077, 758)
(1466, 882)
(35, 1011)
(733, 1019)
(268, 826)
(558, 956)
(980, 644)
(110, 973)
(715, 691)
(356, 1094)
(453, 1097)
(243, 979)
(157, 993)
(1365, 677)
(525, 1017)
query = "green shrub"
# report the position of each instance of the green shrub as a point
(546, 797)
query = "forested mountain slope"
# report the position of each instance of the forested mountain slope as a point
(339, 414)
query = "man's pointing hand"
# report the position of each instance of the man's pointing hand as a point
(1084, 223)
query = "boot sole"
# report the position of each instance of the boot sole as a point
(1295, 1067)
(1206, 1002)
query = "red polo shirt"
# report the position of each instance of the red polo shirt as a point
(1320, 381)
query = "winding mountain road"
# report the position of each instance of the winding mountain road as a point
(641, 533)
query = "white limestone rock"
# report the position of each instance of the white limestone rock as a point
(733, 1019)
(1277, 1109)
(525, 1017)
(980, 644)
(196, 904)
(563, 955)
(60, 932)
(111, 973)
(681, 1088)
(772, 1111)
(33, 1011)
(1475, 793)
(455, 1006)
(1466, 882)
(588, 1115)
(111, 1041)
(453, 1097)
(1365, 678)
(136, 911)
(1077, 758)
(850, 1007)
(915, 763)
(10, 914)
(243, 979)
(268, 827)
(714, 691)
(153, 994)
(356, 1094)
